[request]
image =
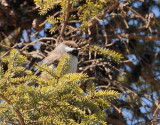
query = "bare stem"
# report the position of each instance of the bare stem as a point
(66, 18)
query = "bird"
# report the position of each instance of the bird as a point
(53, 58)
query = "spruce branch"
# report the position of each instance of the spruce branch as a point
(61, 96)
(21, 120)
(63, 65)
(47, 69)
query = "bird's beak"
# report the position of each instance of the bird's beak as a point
(78, 48)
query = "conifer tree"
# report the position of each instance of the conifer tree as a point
(57, 101)
(119, 41)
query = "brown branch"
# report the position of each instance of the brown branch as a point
(119, 110)
(9, 122)
(131, 36)
(20, 117)
(136, 13)
(10, 49)
(155, 114)
(103, 86)
(148, 38)
(151, 80)
(125, 23)
(4, 46)
(66, 18)
(4, 98)
(120, 37)
(37, 41)
(107, 10)
(16, 110)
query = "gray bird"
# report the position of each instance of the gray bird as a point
(66, 47)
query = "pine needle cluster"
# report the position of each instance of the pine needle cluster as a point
(107, 53)
(56, 101)
(91, 9)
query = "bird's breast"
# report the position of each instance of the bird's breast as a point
(73, 64)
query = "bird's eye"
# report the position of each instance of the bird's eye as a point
(70, 46)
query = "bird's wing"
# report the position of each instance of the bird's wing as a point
(51, 60)
(53, 57)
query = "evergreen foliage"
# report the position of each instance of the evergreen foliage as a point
(58, 100)
(108, 54)
(120, 50)
(91, 9)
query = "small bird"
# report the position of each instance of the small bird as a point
(66, 47)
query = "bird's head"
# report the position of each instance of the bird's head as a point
(69, 47)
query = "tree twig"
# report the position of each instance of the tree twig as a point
(66, 18)
(16, 110)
